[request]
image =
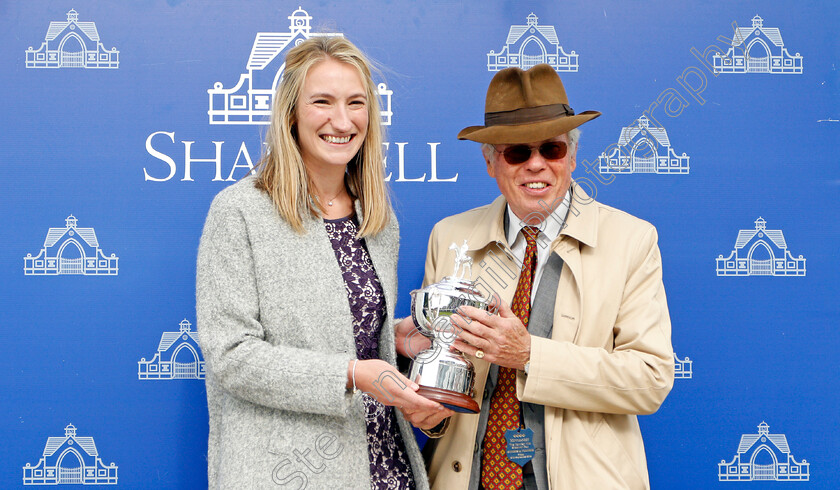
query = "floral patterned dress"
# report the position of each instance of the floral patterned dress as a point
(389, 464)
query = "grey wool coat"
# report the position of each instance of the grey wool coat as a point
(275, 328)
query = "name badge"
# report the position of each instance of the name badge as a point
(520, 445)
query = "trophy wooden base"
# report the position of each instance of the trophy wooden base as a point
(457, 402)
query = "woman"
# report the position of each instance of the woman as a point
(296, 286)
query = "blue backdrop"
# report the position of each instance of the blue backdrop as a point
(121, 121)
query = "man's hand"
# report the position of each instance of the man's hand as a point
(409, 340)
(424, 418)
(502, 337)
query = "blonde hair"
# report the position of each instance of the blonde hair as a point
(282, 173)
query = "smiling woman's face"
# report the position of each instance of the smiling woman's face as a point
(332, 115)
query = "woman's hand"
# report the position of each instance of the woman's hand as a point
(389, 387)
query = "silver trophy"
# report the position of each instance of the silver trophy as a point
(443, 375)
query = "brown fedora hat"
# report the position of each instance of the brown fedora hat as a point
(525, 106)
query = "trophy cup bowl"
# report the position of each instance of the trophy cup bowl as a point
(443, 375)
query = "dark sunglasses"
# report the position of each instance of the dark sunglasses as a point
(516, 154)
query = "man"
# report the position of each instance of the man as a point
(585, 344)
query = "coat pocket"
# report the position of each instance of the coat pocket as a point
(608, 443)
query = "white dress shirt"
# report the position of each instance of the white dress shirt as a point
(550, 228)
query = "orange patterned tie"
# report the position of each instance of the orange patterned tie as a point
(497, 471)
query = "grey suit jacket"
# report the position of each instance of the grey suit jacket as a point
(275, 328)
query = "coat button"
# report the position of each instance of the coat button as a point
(456, 465)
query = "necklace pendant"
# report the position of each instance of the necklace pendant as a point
(329, 203)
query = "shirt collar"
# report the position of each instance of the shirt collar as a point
(581, 221)
(550, 226)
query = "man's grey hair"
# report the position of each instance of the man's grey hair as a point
(574, 136)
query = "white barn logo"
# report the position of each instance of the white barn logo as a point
(760, 252)
(72, 44)
(532, 44)
(70, 250)
(70, 460)
(763, 456)
(683, 368)
(643, 148)
(249, 101)
(178, 356)
(757, 49)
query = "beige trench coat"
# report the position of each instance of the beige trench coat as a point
(609, 357)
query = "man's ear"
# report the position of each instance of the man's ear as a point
(491, 171)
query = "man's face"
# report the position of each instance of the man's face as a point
(536, 180)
